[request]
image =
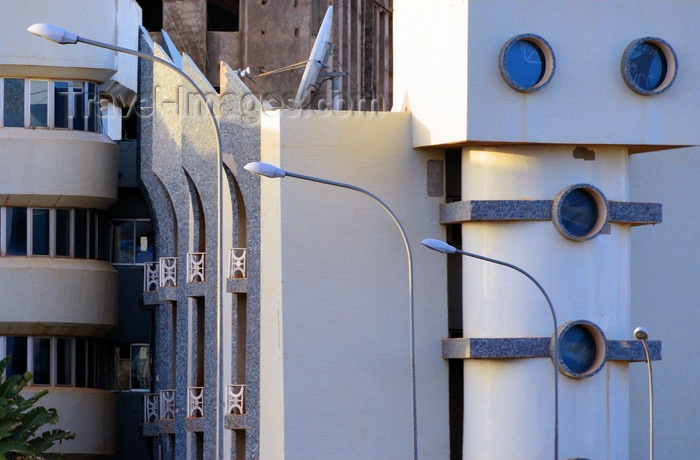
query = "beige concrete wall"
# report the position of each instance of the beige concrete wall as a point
(57, 168)
(453, 86)
(88, 413)
(57, 296)
(337, 307)
(26, 55)
(665, 292)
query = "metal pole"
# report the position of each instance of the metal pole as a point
(555, 351)
(219, 213)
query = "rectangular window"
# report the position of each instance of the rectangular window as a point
(92, 107)
(17, 347)
(38, 103)
(16, 231)
(63, 232)
(14, 102)
(81, 234)
(78, 107)
(61, 111)
(42, 360)
(40, 232)
(144, 241)
(64, 358)
(123, 242)
(140, 367)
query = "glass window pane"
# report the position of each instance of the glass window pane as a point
(14, 102)
(140, 367)
(62, 232)
(64, 357)
(42, 361)
(123, 242)
(92, 101)
(78, 108)
(40, 232)
(60, 113)
(80, 362)
(81, 233)
(17, 347)
(144, 241)
(38, 103)
(16, 231)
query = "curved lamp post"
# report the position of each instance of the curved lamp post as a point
(268, 170)
(642, 334)
(441, 246)
(61, 36)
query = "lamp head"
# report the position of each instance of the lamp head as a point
(439, 246)
(53, 33)
(265, 169)
(641, 334)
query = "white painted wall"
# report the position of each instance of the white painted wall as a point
(110, 21)
(55, 168)
(57, 296)
(453, 86)
(509, 405)
(341, 337)
(665, 290)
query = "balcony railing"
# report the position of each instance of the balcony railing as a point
(195, 402)
(168, 271)
(235, 399)
(167, 404)
(195, 267)
(237, 263)
(151, 276)
(150, 408)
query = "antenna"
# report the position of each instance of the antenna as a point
(315, 73)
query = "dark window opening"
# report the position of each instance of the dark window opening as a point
(222, 15)
(152, 14)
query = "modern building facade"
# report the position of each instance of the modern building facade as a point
(286, 319)
(59, 292)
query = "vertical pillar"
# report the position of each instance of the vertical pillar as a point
(509, 403)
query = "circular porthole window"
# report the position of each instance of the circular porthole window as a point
(649, 65)
(526, 62)
(580, 212)
(581, 349)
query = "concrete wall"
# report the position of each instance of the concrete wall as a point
(26, 55)
(665, 290)
(335, 291)
(57, 168)
(452, 83)
(57, 296)
(86, 412)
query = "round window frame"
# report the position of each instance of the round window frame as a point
(671, 65)
(600, 201)
(550, 62)
(600, 343)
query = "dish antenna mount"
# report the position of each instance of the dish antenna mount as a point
(316, 70)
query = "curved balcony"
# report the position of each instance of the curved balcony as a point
(88, 413)
(57, 168)
(26, 55)
(57, 296)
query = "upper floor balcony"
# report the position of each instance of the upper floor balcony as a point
(163, 274)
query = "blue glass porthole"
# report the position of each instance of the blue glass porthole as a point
(649, 66)
(581, 349)
(526, 62)
(580, 212)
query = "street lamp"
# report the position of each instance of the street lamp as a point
(441, 246)
(61, 36)
(268, 170)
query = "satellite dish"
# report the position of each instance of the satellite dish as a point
(318, 60)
